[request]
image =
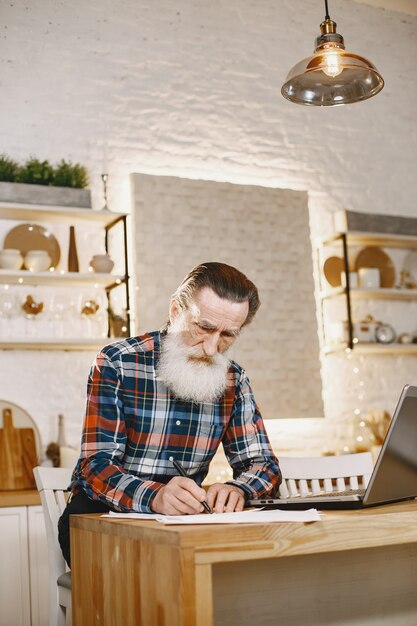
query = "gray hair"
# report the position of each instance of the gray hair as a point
(227, 283)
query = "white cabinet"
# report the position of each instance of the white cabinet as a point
(65, 282)
(14, 567)
(38, 567)
(23, 567)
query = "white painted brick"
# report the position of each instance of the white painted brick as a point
(275, 253)
(192, 89)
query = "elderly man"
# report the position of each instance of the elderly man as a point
(174, 395)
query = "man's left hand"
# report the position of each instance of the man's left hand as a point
(225, 498)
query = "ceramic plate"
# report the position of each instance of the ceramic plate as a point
(372, 256)
(332, 269)
(27, 237)
(410, 265)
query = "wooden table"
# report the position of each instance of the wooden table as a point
(353, 567)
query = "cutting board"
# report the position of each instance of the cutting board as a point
(17, 455)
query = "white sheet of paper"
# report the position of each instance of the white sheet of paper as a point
(153, 516)
(255, 516)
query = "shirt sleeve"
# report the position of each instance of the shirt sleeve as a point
(247, 448)
(100, 469)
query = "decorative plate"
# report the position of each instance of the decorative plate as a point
(27, 237)
(332, 269)
(372, 256)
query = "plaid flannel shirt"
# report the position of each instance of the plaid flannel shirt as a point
(134, 427)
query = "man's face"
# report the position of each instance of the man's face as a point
(211, 323)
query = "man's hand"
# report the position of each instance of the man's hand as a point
(225, 498)
(181, 496)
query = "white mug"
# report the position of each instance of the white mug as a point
(369, 278)
(353, 280)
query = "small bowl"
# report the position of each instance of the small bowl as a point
(102, 263)
(37, 261)
(11, 259)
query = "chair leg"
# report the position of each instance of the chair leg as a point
(57, 616)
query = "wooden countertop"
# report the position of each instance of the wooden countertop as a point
(19, 498)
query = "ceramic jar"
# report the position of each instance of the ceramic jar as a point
(37, 261)
(10, 259)
(102, 263)
(369, 278)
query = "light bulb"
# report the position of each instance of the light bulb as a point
(332, 65)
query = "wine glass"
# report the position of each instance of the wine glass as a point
(62, 310)
(94, 313)
(32, 307)
(8, 311)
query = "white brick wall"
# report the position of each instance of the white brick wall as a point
(264, 232)
(192, 89)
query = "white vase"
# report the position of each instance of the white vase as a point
(37, 261)
(102, 263)
(11, 259)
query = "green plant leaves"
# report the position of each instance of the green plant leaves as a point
(9, 169)
(36, 172)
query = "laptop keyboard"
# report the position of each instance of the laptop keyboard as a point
(332, 494)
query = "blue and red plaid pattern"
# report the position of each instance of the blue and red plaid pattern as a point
(134, 427)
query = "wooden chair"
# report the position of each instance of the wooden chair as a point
(52, 482)
(313, 475)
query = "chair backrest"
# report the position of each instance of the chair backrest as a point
(52, 483)
(312, 475)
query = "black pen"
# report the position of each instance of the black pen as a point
(182, 472)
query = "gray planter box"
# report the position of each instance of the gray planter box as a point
(45, 194)
(346, 221)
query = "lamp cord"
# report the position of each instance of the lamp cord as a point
(327, 16)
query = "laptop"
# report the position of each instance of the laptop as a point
(394, 476)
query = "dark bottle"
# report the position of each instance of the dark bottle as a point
(72, 252)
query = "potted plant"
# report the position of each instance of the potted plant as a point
(39, 182)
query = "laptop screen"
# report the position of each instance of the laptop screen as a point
(395, 473)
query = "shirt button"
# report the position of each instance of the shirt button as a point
(171, 458)
(178, 423)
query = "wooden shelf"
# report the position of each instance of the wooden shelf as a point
(374, 239)
(372, 294)
(67, 215)
(24, 277)
(333, 292)
(40, 212)
(56, 344)
(346, 240)
(373, 348)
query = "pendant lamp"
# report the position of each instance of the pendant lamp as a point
(331, 76)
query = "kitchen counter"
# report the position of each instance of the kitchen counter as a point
(24, 497)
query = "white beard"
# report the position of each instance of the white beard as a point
(188, 373)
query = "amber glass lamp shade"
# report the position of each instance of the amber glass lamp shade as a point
(332, 75)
